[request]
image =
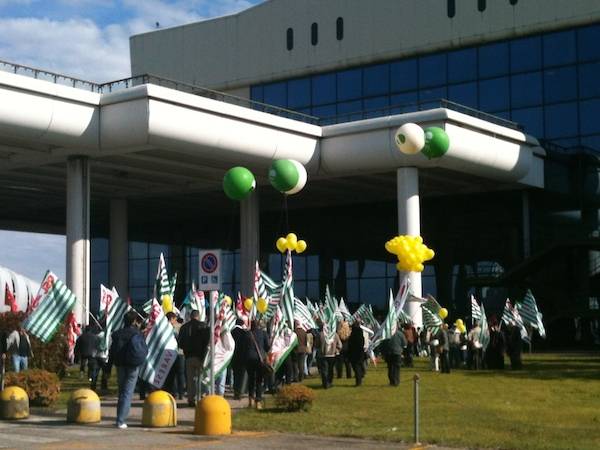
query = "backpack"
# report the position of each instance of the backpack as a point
(134, 353)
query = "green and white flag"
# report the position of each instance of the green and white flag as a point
(484, 334)
(303, 315)
(173, 285)
(345, 312)
(287, 292)
(530, 313)
(162, 347)
(364, 314)
(388, 327)
(283, 340)
(162, 286)
(431, 321)
(106, 298)
(114, 319)
(224, 343)
(475, 310)
(57, 302)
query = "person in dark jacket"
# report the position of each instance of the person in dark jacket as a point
(86, 349)
(300, 352)
(128, 352)
(443, 347)
(238, 360)
(356, 352)
(3, 351)
(194, 337)
(514, 347)
(257, 346)
(394, 349)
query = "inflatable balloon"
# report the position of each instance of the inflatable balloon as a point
(262, 305)
(281, 244)
(287, 176)
(227, 299)
(301, 246)
(248, 303)
(459, 322)
(291, 240)
(411, 252)
(437, 142)
(410, 138)
(443, 313)
(167, 303)
(238, 183)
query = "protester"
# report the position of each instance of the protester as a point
(103, 365)
(310, 353)
(454, 339)
(257, 346)
(300, 352)
(2, 357)
(128, 352)
(434, 355)
(18, 346)
(342, 360)
(514, 346)
(238, 360)
(475, 347)
(411, 337)
(356, 353)
(393, 355)
(326, 354)
(494, 355)
(175, 382)
(443, 348)
(86, 350)
(194, 338)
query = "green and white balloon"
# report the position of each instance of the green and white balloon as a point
(410, 138)
(287, 176)
(437, 142)
(238, 183)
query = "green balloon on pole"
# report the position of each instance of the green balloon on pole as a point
(437, 142)
(238, 183)
(287, 176)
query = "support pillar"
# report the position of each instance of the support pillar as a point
(249, 241)
(409, 222)
(119, 247)
(78, 234)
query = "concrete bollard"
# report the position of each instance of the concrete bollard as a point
(84, 407)
(160, 410)
(213, 416)
(14, 403)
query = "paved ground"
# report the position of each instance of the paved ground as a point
(50, 431)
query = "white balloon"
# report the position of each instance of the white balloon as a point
(301, 178)
(410, 138)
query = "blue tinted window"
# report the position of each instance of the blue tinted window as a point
(376, 106)
(432, 94)
(376, 80)
(299, 93)
(352, 269)
(494, 94)
(345, 108)
(323, 89)
(324, 111)
(99, 249)
(493, 60)
(589, 80)
(462, 65)
(526, 54)
(560, 84)
(587, 43)
(526, 89)
(372, 288)
(403, 75)
(532, 120)
(275, 94)
(561, 120)
(465, 94)
(349, 84)
(432, 70)
(403, 102)
(138, 249)
(590, 116)
(559, 48)
(256, 93)
(592, 142)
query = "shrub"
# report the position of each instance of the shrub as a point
(295, 397)
(51, 356)
(41, 386)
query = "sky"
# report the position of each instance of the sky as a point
(87, 39)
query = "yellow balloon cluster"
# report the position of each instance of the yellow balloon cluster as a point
(167, 303)
(262, 305)
(291, 242)
(411, 252)
(460, 326)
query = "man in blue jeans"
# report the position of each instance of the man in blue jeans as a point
(19, 347)
(128, 352)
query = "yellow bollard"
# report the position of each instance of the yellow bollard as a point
(160, 410)
(14, 403)
(213, 416)
(84, 407)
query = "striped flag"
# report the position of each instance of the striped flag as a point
(519, 322)
(431, 321)
(345, 312)
(388, 327)
(270, 291)
(364, 314)
(287, 292)
(106, 298)
(173, 285)
(162, 347)
(283, 340)
(45, 286)
(51, 312)
(507, 314)
(224, 343)
(114, 319)
(484, 334)
(162, 287)
(530, 313)
(303, 315)
(475, 310)
(403, 292)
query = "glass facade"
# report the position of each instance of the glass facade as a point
(548, 83)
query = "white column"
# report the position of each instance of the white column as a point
(78, 234)
(119, 247)
(249, 241)
(409, 222)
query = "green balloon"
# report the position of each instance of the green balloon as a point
(238, 183)
(437, 142)
(283, 175)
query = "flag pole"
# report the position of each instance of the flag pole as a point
(95, 320)
(212, 344)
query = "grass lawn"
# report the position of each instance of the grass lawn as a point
(554, 403)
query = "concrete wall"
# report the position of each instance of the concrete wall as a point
(250, 46)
